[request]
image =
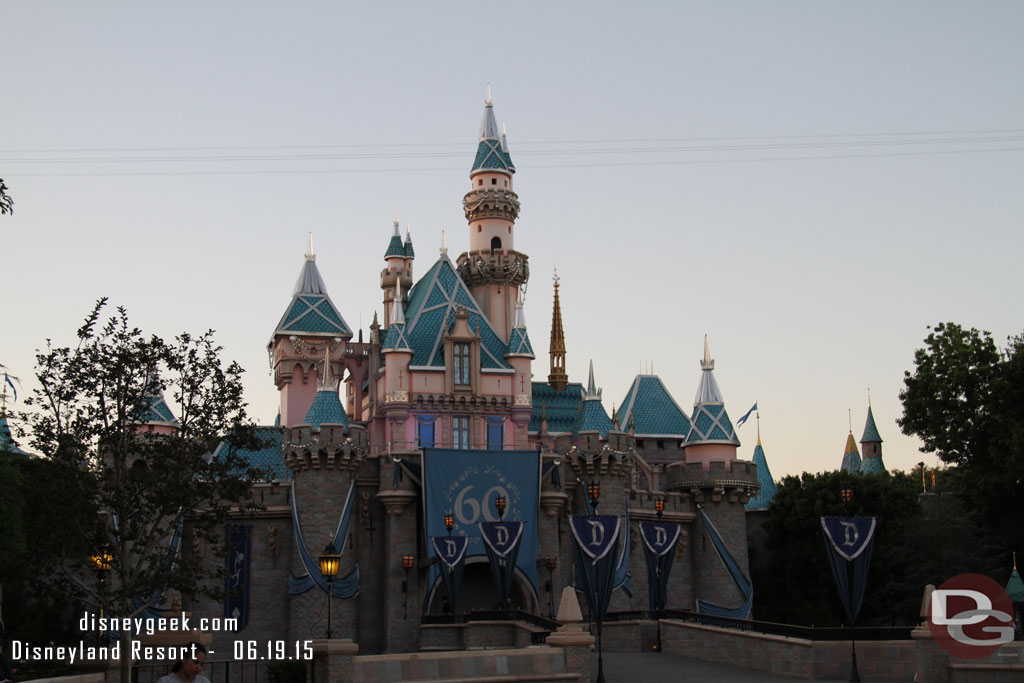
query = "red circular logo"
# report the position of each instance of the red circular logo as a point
(970, 616)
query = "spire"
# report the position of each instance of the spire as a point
(593, 393)
(492, 151)
(444, 245)
(488, 126)
(409, 251)
(707, 390)
(557, 377)
(870, 430)
(395, 246)
(397, 311)
(326, 381)
(758, 416)
(520, 319)
(504, 139)
(765, 482)
(310, 254)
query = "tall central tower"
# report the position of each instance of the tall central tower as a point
(492, 268)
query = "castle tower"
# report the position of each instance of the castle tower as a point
(397, 379)
(593, 417)
(520, 356)
(851, 457)
(491, 268)
(871, 446)
(398, 257)
(712, 436)
(158, 418)
(557, 378)
(310, 325)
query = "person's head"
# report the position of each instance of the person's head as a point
(191, 664)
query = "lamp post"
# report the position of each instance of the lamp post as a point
(659, 505)
(499, 505)
(407, 563)
(594, 493)
(550, 563)
(330, 563)
(100, 562)
(449, 522)
(847, 498)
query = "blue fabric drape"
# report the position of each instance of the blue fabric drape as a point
(742, 583)
(345, 588)
(451, 552)
(659, 543)
(623, 579)
(850, 569)
(501, 540)
(596, 564)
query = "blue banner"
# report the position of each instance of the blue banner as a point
(849, 536)
(237, 566)
(451, 550)
(659, 539)
(849, 541)
(596, 539)
(465, 484)
(502, 542)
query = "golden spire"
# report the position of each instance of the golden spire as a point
(758, 414)
(557, 378)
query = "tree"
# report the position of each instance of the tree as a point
(130, 487)
(965, 401)
(6, 203)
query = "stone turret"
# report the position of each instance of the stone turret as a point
(398, 257)
(871, 446)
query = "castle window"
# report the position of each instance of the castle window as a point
(495, 433)
(494, 181)
(506, 183)
(425, 430)
(495, 243)
(460, 363)
(480, 182)
(460, 431)
(661, 444)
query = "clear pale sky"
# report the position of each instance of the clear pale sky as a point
(810, 183)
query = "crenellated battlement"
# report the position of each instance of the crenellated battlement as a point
(735, 480)
(497, 266)
(333, 446)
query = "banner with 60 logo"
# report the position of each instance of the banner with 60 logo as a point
(466, 483)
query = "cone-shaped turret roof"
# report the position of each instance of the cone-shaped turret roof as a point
(326, 406)
(159, 413)
(592, 414)
(1015, 587)
(7, 442)
(395, 339)
(870, 430)
(311, 311)
(409, 251)
(851, 456)
(518, 341)
(764, 477)
(395, 247)
(492, 152)
(711, 423)
(650, 410)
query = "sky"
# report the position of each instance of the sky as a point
(810, 184)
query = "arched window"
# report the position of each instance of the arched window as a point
(495, 243)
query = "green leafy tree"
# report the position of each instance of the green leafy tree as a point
(129, 487)
(965, 401)
(6, 203)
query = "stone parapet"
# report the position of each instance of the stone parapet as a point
(498, 266)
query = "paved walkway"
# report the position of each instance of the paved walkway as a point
(657, 667)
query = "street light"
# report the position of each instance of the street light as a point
(847, 496)
(659, 506)
(499, 505)
(449, 522)
(330, 563)
(407, 563)
(100, 562)
(594, 493)
(550, 563)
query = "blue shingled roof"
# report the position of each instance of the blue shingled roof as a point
(490, 156)
(654, 411)
(327, 408)
(870, 431)
(395, 247)
(711, 423)
(594, 418)
(409, 251)
(159, 412)
(562, 409)
(311, 310)
(851, 458)
(519, 344)
(433, 302)
(395, 339)
(764, 477)
(7, 442)
(267, 454)
(872, 466)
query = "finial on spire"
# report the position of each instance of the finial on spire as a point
(520, 318)
(396, 221)
(869, 396)
(408, 232)
(325, 380)
(310, 254)
(444, 245)
(758, 415)
(849, 418)
(707, 363)
(397, 310)
(488, 102)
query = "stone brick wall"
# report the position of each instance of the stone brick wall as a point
(876, 660)
(538, 662)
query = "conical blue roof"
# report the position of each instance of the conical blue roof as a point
(409, 251)
(870, 430)
(311, 311)
(519, 344)
(764, 478)
(851, 457)
(653, 410)
(594, 418)
(159, 413)
(395, 339)
(872, 465)
(7, 442)
(327, 408)
(395, 246)
(492, 152)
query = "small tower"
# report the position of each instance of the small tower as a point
(398, 257)
(520, 356)
(158, 418)
(557, 378)
(764, 476)
(310, 324)
(871, 446)
(491, 268)
(593, 417)
(712, 436)
(851, 457)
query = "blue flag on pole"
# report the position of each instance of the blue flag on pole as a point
(849, 541)
(746, 415)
